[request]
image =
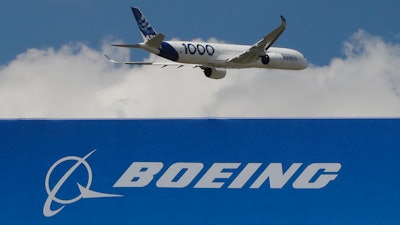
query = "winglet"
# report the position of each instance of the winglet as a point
(274, 35)
(283, 19)
(258, 49)
(111, 59)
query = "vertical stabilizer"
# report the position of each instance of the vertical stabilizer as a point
(144, 26)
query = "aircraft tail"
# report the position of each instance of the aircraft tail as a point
(144, 26)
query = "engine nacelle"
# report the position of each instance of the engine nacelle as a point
(214, 73)
(272, 59)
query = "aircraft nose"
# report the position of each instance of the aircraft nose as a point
(304, 63)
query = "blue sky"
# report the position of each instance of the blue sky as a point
(317, 28)
(52, 61)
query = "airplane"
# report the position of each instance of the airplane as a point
(214, 58)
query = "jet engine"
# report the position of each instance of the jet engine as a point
(214, 73)
(272, 59)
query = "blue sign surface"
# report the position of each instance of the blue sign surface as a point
(201, 171)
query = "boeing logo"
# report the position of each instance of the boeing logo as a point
(84, 191)
(195, 175)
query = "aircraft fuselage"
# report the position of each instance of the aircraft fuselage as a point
(217, 55)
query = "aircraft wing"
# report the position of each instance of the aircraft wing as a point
(163, 64)
(258, 49)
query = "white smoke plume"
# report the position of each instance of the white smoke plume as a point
(76, 81)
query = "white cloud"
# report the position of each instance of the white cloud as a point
(77, 82)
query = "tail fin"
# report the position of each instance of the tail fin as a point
(144, 26)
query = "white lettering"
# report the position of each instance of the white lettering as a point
(304, 180)
(139, 174)
(190, 171)
(245, 175)
(181, 175)
(277, 179)
(216, 171)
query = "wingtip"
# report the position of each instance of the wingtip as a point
(110, 59)
(283, 19)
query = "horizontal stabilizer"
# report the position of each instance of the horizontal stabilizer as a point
(126, 46)
(154, 43)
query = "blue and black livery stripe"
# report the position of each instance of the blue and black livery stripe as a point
(168, 52)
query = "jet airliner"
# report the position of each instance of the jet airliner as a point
(215, 58)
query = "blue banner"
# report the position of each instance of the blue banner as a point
(200, 171)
